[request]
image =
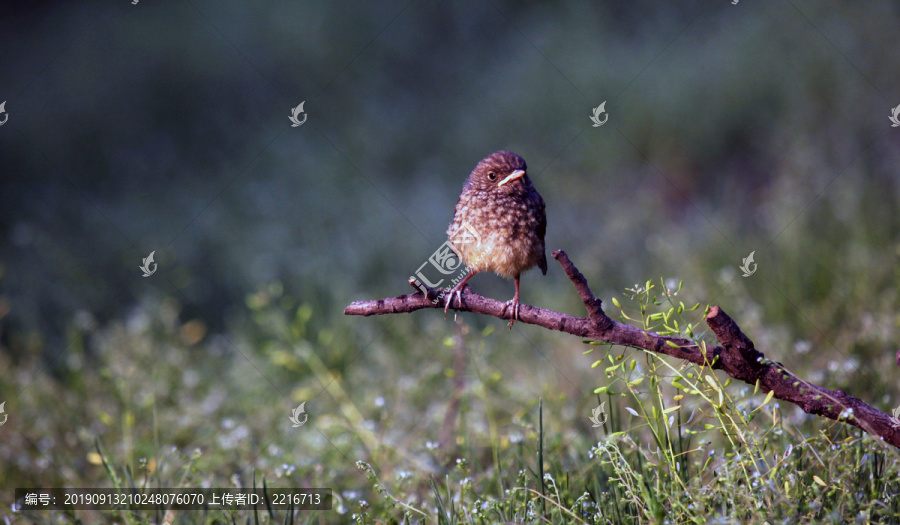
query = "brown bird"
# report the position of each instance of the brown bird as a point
(499, 224)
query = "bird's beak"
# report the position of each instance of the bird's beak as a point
(518, 174)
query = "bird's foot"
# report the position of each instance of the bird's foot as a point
(458, 292)
(514, 303)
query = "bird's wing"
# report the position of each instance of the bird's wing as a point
(542, 231)
(456, 221)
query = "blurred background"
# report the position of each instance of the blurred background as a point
(163, 126)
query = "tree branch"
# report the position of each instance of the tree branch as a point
(735, 355)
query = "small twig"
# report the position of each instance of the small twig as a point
(736, 355)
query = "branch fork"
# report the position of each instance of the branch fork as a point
(735, 355)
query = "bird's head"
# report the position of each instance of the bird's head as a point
(500, 172)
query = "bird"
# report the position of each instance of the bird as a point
(499, 224)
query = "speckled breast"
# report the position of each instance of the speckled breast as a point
(498, 233)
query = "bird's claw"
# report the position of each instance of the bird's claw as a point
(450, 300)
(514, 302)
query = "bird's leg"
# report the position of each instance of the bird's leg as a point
(514, 302)
(458, 291)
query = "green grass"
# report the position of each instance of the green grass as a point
(681, 443)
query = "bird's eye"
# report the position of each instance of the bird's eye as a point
(492, 176)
